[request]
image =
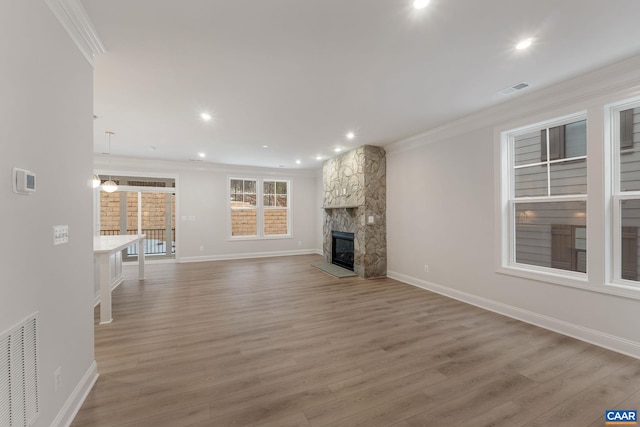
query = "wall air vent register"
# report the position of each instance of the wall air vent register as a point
(19, 404)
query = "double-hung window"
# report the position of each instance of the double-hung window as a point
(260, 208)
(276, 208)
(625, 122)
(243, 204)
(545, 196)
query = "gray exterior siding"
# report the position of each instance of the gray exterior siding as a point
(534, 221)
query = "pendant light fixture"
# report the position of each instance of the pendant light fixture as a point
(95, 181)
(109, 186)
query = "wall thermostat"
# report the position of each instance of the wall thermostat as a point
(24, 182)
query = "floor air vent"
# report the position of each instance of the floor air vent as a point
(19, 375)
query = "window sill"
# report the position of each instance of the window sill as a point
(547, 275)
(573, 280)
(626, 289)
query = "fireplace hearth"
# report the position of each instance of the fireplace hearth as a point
(342, 248)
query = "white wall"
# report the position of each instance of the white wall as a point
(319, 204)
(202, 195)
(45, 117)
(441, 205)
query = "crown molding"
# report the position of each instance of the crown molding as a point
(76, 22)
(617, 78)
(143, 165)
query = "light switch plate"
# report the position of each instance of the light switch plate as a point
(60, 234)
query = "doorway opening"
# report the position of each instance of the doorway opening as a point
(141, 205)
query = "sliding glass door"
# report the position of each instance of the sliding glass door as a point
(141, 209)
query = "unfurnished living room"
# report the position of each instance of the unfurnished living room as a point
(320, 213)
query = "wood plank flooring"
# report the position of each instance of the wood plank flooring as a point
(277, 342)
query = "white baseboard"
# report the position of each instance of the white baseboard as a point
(76, 399)
(592, 336)
(228, 257)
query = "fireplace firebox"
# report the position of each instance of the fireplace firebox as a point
(342, 249)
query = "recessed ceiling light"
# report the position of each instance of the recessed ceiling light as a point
(264, 146)
(524, 44)
(206, 116)
(318, 157)
(298, 162)
(420, 4)
(337, 149)
(202, 155)
(350, 135)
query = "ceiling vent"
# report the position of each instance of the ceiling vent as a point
(515, 88)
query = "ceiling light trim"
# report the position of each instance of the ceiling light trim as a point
(420, 4)
(74, 19)
(525, 44)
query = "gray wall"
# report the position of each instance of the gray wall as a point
(45, 117)
(442, 206)
(202, 196)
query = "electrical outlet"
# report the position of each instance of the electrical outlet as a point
(57, 378)
(426, 268)
(201, 248)
(299, 242)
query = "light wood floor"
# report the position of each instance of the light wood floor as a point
(276, 342)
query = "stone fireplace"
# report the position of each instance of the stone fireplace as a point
(354, 201)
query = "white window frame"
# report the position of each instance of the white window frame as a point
(507, 222)
(287, 208)
(260, 209)
(612, 115)
(230, 209)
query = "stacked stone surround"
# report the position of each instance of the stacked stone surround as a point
(354, 189)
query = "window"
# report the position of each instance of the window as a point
(545, 196)
(276, 208)
(259, 208)
(244, 220)
(626, 193)
(565, 141)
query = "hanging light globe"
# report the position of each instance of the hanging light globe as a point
(109, 186)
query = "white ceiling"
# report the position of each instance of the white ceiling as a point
(296, 75)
